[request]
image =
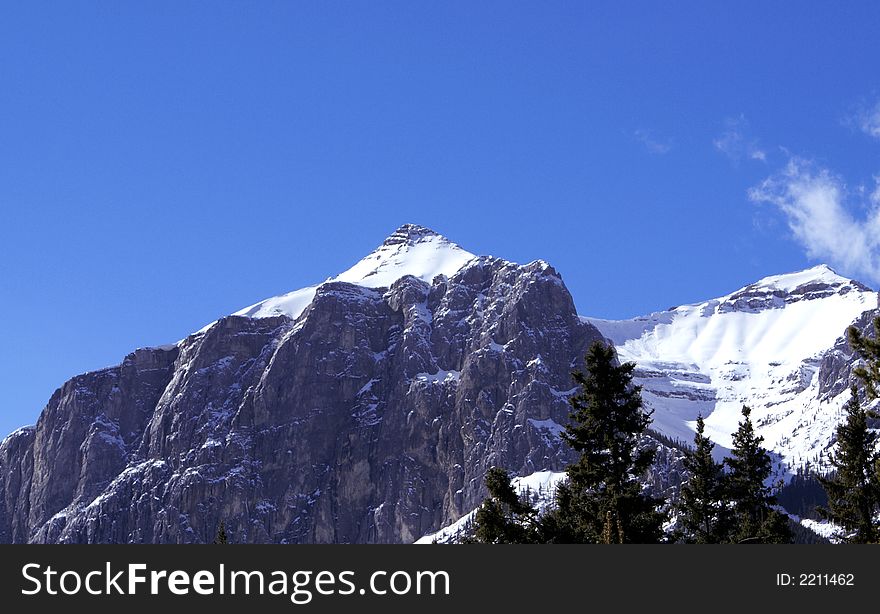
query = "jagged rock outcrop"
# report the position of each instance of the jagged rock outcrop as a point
(82, 441)
(758, 297)
(371, 416)
(835, 368)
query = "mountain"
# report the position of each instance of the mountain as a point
(363, 409)
(410, 250)
(367, 408)
(776, 345)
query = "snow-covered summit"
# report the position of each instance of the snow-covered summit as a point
(760, 346)
(778, 290)
(818, 275)
(409, 250)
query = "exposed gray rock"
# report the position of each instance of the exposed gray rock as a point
(836, 365)
(757, 297)
(370, 418)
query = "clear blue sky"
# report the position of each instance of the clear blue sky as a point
(165, 163)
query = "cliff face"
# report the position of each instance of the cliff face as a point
(84, 438)
(369, 417)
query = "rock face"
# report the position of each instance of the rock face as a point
(836, 365)
(369, 415)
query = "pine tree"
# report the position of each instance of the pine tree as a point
(602, 500)
(854, 489)
(754, 518)
(221, 534)
(505, 517)
(703, 512)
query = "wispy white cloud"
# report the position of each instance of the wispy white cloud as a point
(868, 120)
(864, 116)
(652, 143)
(736, 143)
(819, 211)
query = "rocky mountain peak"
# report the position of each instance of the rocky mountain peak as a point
(366, 408)
(776, 291)
(819, 275)
(410, 250)
(775, 345)
(411, 234)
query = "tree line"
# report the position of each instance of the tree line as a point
(732, 501)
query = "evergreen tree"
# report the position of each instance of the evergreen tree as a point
(505, 517)
(703, 512)
(221, 534)
(803, 495)
(754, 518)
(854, 489)
(602, 500)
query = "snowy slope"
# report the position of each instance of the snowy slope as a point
(759, 346)
(541, 485)
(411, 250)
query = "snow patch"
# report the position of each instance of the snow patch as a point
(823, 528)
(792, 281)
(548, 426)
(541, 484)
(411, 250)
(439, 377)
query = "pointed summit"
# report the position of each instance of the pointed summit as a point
(411, 234)
(819, 275)
(409, 250)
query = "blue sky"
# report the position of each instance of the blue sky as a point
(165, 163)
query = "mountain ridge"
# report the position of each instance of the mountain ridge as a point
(762, 345)
(410, 250)
(368, 407)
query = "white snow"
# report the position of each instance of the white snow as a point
(424, 258)
(439, 377)
(22, 430)
(165, 347)
(537, 362)
(823, 528)
(790, 281)
(548, 425)
(366, 387)
(120, 479)
(708, 359)
(563, 394)
(541, 483)
(411, 250)
(291, 304)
